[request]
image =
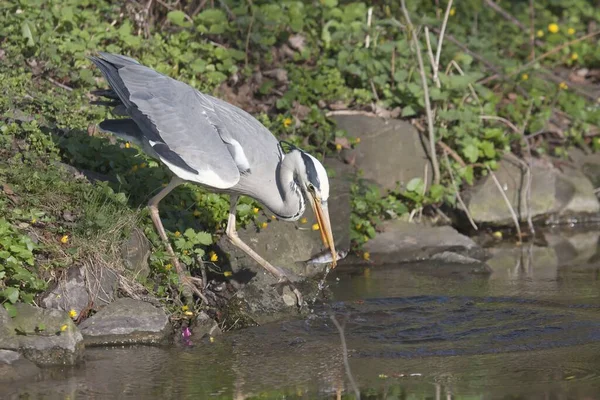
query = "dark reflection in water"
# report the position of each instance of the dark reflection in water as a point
(530, 330)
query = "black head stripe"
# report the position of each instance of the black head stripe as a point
(289, 146)
(311, 170)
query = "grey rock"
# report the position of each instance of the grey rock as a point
(402, 242)
(204, 326)
(82, 287)
(53, 345)
(14, 367)
(390, 152)
(135, 254)
(8, 339)
(127, 321)
(553, 192)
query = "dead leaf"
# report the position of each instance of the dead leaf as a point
(297, 42)
(338, 105)
(279, 74)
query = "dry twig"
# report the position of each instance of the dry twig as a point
(340, 329)
(507, 201)
(433, 155)
(457, 191)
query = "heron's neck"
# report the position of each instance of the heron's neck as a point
(291, 204)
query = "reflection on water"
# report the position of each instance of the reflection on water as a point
(529, 330)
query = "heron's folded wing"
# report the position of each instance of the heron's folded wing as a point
(178, 131)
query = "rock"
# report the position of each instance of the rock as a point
(51, 345)
(127, 321)
(81, 288)
(553, 193)
(402, 242)
(8, 339)
(14, 367)
(135, 254)
(390, 151)
(204, 326)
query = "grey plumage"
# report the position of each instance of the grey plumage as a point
(207, 141)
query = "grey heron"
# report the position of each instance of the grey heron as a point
(207, 141)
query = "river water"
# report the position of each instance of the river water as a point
(531, 329)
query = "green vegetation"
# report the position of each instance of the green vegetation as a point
(286, 62)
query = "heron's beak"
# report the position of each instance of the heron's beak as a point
(322, 214)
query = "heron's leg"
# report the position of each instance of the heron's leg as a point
(235, 239)
(153, 206)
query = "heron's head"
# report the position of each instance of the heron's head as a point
(312, 179)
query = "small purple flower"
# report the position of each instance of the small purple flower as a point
(186, 333)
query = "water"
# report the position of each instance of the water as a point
(529, 330)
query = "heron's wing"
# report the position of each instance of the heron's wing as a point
(172, 120)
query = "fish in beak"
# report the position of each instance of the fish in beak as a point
(322, 213)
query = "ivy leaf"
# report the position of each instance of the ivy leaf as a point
(178, 18)
(488, 149)
(11, 294)
(436, 192)
(204, 238)
(415, 185)
(471, 152)
(10, 309)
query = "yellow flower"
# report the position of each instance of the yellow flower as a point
(64, 328)
(264, 225)
(188, 313)
(127, 145)
(553, 28)
(303, 220)
(563, 86)
(574, 56)
(357, 140)
(214, 257)
(366, 255)
(540, 33)
(315, 227)
(358, 226)
(255, 210)
(196, 213)
(135, 168)
(227, 274)
(497, 235)
(177, 233)
(64, 239)
(287, 122)
(212, 339)
(186, 252)
(338, 147)
(33, 221)
(524, 77)
(143, 165)
(184, 308)
(168, 267)
(273, 217)
(452, 11)
(72, 313)
(571, 31)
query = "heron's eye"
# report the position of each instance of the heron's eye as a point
(311, 187)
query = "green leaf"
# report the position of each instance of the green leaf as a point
(204, 238)
(329, 3)
(436, 192)
(415, 185)
(178, 18)
(408, 111)
(11, 294)
(10, 309)
(488, 149)
(471, 152)
(26, 32)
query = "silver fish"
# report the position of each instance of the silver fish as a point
(325, 257)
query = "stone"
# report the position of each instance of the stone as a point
(136, 252)
(402, 242)
(390, 152)
(204, 326)
(8, 339)
(554, 192)
(127, 321)
(82, 287)
(14, 367)
(58, 343)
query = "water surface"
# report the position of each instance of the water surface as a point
(531, 329)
